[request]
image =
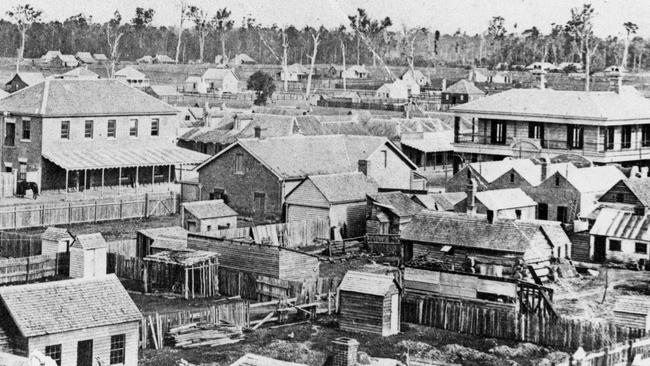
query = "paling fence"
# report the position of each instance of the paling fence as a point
(33, 268)
(15, 245)
(292, 234)
(622, 353)
(85, 211)
(488, 319)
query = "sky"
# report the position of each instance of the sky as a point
(447, 16)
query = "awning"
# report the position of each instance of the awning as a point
(78, 158)
(428, 145)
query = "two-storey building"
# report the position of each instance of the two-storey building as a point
(605, 127)
(89, 133)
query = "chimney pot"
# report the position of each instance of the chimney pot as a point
(471, 196)
(544, 170)
(364, 167)
(258, 132)
(345, 351)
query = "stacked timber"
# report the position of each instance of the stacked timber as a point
(198, 335)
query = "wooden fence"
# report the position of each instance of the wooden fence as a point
(131, 268)
(16, 245)
(34, 268)
(73, 212)
(125, 248)
(293, 234)
(489, 319)
(387, 244)
(156, 325)
(622, 353)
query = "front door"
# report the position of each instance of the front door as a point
(85, 353)
(542, 211)
(600, 248)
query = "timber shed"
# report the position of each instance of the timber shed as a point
(632, 312)
(151, 241)
(369, 303)
(192, 273)
(88, 256)
(55, 240)
(208, 215)
(259, 259)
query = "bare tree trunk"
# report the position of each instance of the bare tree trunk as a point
(285, 47)
(358, 48)
(180, 29)
(223, 45)
(625, 52)
(201, 45)
(343, 73)
(21, 52)
(313, 62)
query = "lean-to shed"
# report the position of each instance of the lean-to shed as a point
(369, 303)
(192, 273)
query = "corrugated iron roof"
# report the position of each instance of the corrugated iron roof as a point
(367, 283)
(68, 305)
(623, 224)
(398, 203)
(82, 157)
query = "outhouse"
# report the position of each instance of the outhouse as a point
(369, 303)
(55, 240)
(632, 312)
(200, 216)
(88, 256)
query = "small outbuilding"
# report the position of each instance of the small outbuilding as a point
(369, 303)
(154, 240)
(61, 61)
(191, 273)
(132, 77)
(200, 216)
(632, 312)
(85, 58)
(55, 240)
(88, 256)
(163, 59)
(100, 57)
(22, 80)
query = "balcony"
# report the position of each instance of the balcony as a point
(525, 147)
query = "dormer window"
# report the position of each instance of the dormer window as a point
(512, 177)
(557, 180)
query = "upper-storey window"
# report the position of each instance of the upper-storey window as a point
(575, 137)
(645, 135)
(10, 132)
(155, 127)
(609, 138)
(626, 137)
(498, 132)
(133, 127)
(65, 130)
(112, 128)
(88, 129)
(27, 129)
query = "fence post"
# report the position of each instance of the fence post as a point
(15, 217)
(121, 208)
(146, 205)
(42, 215)
(69, 213)
(95, 210)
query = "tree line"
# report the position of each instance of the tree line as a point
(206, 33)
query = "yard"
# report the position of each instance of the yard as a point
(583, 297)
(310, 344)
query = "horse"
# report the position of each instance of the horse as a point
(23, 186)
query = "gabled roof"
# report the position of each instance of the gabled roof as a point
(297, 68)
(71, 97)
(593, 179)
(56, 234)
(164, 90)
(632, 305)
(209, 209)
(163, 58)
(69, 60)
(217, 74)
(474, 231)
(464, 87)
(85, 57)
(146, 59)
(68, 305)
(80, 73)
(598, 106)
(100, 57)
(251, 359)
(413, 75)
(242, 58)
(398, 203)
(491, 170)
(89, 241)
(502, 199)
(443, 201)
(640, 187)
(3, 94)
(29, 78)
(367, 283)
(342, 187)
(130, 73)
(49, 55)
(359, 69)
(624, 224)
(299, 156)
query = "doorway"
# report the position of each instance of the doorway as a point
(85, 353)
(600, 248)
(542, 211)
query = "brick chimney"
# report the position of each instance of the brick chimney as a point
(344, 351)
(364, 167)
(615, 79)
(491, 216)
(541, 77)
(544, 170)
(236, 122)
(258, 132)
(470, 202)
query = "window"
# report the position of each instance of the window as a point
(10, 132)
(561, 213)
(187, 117)
(27, 129)
(518, 214)
(239, 163)
(609, 138)
(217, 194)
(384, 156)
(614, 245)
(542, 211)
(626, 137)
(259, 202)
(65, 130)
(155, 125)
(117, 349)
(620, 197)
(645, 135)
(54, 352)
(536, 131)
(641, 248)
(557, 180)
(88, 129)
(575, 137)
(133, 127)
(112, 128)
(498, 132)
(512, 177)
(22, 171)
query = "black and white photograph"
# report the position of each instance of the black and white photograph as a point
(324, 183)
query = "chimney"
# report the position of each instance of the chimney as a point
(544, 170)
(470, 201)
(541, 77)
(444, 85)
(258, 132)
(344, 351)
(364, 167)
(616, 79)
(236, 123)
(491, 216)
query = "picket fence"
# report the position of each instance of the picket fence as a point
(156, 325)
(488, 319)
(622, 353)
(84, 211)
(33, 268)
(16, 245)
